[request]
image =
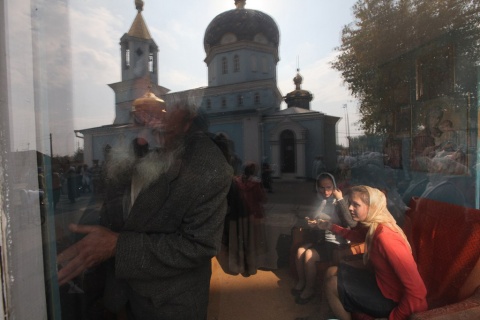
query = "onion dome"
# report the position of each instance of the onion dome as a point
(298, 98)
(298, 81)
(139, 5)
(241, 24)
(149, 102)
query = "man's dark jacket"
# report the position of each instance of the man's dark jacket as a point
(173, 229)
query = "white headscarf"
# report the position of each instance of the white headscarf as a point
(378, 214)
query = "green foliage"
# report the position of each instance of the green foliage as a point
(387, 30)
(78, 156)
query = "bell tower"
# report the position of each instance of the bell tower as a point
(139, 50)
(139, 65)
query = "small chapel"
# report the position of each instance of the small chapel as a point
(241, 101)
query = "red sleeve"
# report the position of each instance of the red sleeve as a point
(356, 234)
(413, 291)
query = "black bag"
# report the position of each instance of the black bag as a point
(284, 244)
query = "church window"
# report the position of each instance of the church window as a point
(150, 62)
(209, 104)
(240, 100)
(253, 60)
(224, 103)
(256, 98)
(127, 58)
(236, 63)
(224, 65)
(139, 52)
(228, 38)
(260, 38)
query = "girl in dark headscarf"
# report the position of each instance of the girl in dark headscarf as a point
(333, 208)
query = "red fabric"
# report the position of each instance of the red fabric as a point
(397, 274)
(252, 194)
(395, 270)
(445, 239)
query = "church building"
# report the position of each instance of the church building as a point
(242, 100)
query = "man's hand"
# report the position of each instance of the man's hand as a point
(98, 245)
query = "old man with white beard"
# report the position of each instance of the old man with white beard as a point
(162, 217)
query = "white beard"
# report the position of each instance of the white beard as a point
(119, 164)
(149, 168)
(123, 164)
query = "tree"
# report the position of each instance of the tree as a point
(377, 54)
(78, 156)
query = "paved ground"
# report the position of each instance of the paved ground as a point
(266, 295)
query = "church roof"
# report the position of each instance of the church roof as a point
(245, 24)
(298, 97)
(139, 28)
(294, 110)
(299, 94)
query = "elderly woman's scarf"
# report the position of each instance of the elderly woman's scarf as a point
(378, 214)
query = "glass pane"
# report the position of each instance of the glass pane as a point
(129, 170)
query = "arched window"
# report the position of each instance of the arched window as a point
(224, 103)
(224, 65)
(127, 58)
(240, 100)
(150, 62)
(287, 151)
(236, 63)
(256, 98)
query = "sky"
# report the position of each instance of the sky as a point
(62, 54)
(309, 32)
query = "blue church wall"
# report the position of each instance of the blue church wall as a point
(325, 144)
(266, 98)
(253, 65)
(267, 149)
(234, 132)
(315, 145)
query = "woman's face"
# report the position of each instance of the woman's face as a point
(358, 209)
(325, 187)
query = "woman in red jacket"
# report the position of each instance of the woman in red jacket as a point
(387, 284)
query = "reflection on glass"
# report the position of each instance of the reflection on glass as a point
(405, 123)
